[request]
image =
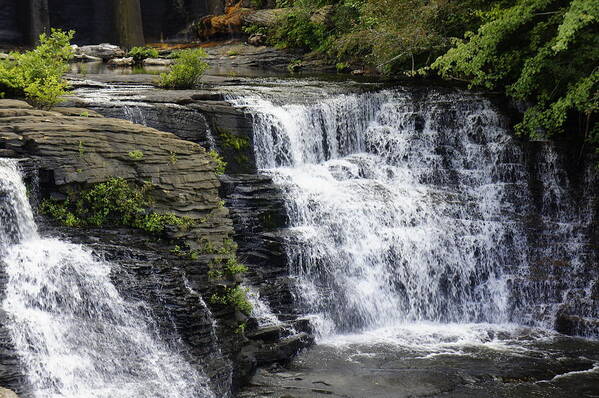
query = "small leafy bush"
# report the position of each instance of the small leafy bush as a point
(38, 74)
(187, 70)
(296, 30)
(140, 53)
(235, 297)
(114, 202)
(219, 164)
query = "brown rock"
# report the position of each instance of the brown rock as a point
(6, 393)
(75, 147)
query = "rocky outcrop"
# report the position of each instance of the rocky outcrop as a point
(83, 149)
(69, 148)
(102, 51)
(225, 25)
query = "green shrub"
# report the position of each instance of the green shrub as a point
(187, 70)
(114, 202)
(38, 74)
(235, 297)
(296, 30)
(140, 53)
(219, 164)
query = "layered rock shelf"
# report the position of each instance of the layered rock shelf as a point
(66, 149)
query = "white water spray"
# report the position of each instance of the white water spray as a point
(405, 206)
(75, 335)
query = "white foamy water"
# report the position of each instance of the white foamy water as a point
(405, 207)
(74, 333)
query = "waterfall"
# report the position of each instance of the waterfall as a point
(405, 206)
(73, 332)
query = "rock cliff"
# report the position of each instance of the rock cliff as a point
(69, 148)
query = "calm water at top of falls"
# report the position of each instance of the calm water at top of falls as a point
(74, 334)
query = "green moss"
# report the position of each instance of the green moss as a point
(232, 141)
(172, 158)
(136, 155)
(219, 164)
(114, 202)
(240, 329)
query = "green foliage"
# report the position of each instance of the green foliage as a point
(38, 74)
(226, 267)
(219, 164)
(296, 30)
(399, 35)
(187, 70)
(342, 67)
(235, 297)
(229, 140)
(541, 52)
(255, 29)
(240, 328)
(395, 35)
(140, 53)
(114, 202)
(136, 155)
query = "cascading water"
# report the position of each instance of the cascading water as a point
(404, 206)
(75, 335)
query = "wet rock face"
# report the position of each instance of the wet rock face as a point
(74, 147)
(71, 147)
(259, 218)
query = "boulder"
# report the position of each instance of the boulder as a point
(157, 62)
(120, 62)
(104, 51)
(257, 39)
(85, 58)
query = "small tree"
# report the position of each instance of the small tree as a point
(541, 52)
(38, 74)
(187, 70)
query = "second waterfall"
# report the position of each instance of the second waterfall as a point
(406, 206)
